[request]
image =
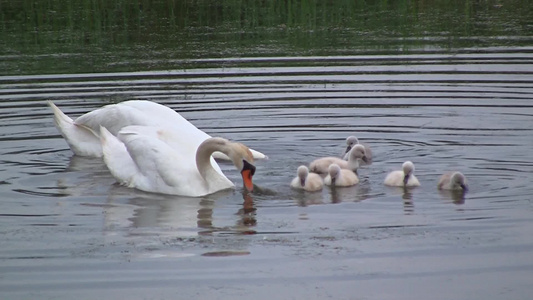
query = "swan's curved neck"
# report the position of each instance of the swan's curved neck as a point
(203, 158)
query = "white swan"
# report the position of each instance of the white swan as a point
(405, 177)
(139, 157)
(304, 180)
(82, 134)
(352, 141)
(340, 177)
(452, 181)
(321, 165)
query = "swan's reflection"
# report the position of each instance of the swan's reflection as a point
(456, 196)
(173, 215)
(407, 197)
(332, 195)
(304, 198)
(84, 176)
(356, 193)
(248, 212)
(408, 204)
(137, 212)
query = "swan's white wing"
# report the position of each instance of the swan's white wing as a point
(185, 143)
(161, 168)
(117, 158)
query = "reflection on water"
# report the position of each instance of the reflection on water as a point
(456, 196)
(408, 204)
(179, 216)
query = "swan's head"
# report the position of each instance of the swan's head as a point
(302, 172)
(350, 142)
(243, 159)
(408, 168)
(334, 170)
(459, 180)
(358, 152)
(239, 154)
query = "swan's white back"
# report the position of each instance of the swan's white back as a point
(82, 135)
(312, 182)
(321, 165)
(340, 177)
(452, 181)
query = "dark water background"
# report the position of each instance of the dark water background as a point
(446, 84)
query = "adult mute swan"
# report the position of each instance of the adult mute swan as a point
(304, 180)
(340, 177)
(405, 177)
(452, 181)
(351, 141)
(321, 165)
(139, 157)
(83, 134)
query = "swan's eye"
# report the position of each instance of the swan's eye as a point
(248, 166)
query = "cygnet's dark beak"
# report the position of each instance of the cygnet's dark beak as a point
(348, 149)
(365, 159)
(247, 172)
(302, 181)
(464, 187)
(405, 179)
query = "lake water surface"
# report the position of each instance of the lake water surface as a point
(69, 231)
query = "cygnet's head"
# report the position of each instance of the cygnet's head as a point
(350, 142)
(334, 170)
(358, 152)
(408, 169)
(458, 179)
(302, 172)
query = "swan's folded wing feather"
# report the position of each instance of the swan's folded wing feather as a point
(117, 158)
(184, 142)
(162, 167)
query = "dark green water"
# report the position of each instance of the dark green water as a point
(42, 37)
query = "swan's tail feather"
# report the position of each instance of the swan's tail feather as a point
(117, 158)
(82, 140)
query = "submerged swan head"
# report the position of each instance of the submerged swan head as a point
(302, 173)
(458, 180)
(358, 152)
(239, 154)
(408, 168)
(350, 142)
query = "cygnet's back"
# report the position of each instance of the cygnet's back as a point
(404, 177)
(356, 155)
(452, 181)
(304, 180)
(340, 177)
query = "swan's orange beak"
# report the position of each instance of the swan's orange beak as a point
(247, 173)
